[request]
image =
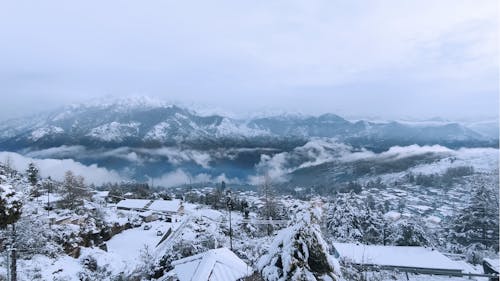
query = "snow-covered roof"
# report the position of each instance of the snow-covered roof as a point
(165, 205)
(494, 263)
(392, 215)
(133, 203)
(397, 256)
(214, 265)
(145, 214)
(52, 198)
(102, 194)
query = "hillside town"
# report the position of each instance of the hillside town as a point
(69, 230)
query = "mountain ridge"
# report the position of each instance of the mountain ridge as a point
(146, 122)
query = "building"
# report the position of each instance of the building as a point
(167, 207)
(214, 265)
(148, 216)
(133, 204)
(401, 258)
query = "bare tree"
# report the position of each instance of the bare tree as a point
(73, 191)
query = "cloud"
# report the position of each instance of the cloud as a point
(313, 153)
(320, 151)
(56, 168)
(313, 56)
(180, 177)
(63, 151)
(179, 156)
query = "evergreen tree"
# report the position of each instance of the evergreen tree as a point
(10, 206)
(299, 252)
(10, 212)
(478, 221)
(32, 173)
(408, 233)
(350, 219)
(344, 219)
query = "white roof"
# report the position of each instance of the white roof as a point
(133, 203)
(102, 193)
(53, 198)
(392, 215)
(214, 265)
(165, 205)
(494, 263)
(400, 256)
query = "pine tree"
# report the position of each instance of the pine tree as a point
(32, 173)
(349, 219)
(478, 222)
(408, 233)
(10, 212)
(299, 252)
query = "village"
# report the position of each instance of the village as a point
(143, 230)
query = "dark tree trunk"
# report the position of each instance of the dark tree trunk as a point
(13, 265)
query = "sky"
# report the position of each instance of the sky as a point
(380, 59)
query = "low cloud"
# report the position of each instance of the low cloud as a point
(55, 168)
(180, 177)
(320, 151)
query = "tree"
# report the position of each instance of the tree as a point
(478, 222)
(10, 212)
(73, 191)
(32, 173)
(8, 165)
(10, 206)
(270, 208)
(408, 233)
(350, 219)
(299, 252)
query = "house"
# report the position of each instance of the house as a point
(133, 204)
(491, 266)
(50, 200)
(102, 197)
(402, 258)
(214, 265)
(148, 216)
(167, 207)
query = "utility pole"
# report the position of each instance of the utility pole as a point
(13, 264)
(229, 203)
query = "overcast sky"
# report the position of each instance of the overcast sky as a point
(390, 58)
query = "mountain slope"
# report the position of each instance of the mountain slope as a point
(144, 122)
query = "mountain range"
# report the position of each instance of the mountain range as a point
(144, 122)
(143, 138)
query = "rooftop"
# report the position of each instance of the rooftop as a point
(133, 203)
(214, 265)
(165, 205)
(395, 256)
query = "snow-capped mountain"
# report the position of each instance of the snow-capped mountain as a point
(145, 122)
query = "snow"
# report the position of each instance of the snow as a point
(166, 205)
(45, 131)
(102, 194)
(399, 256)
(392, 215)
(214, 265)
(495, 263)
(133, 203)
(229, 127)
(8, 194)
(115, 131)
(129, 244)
(62, 268)
(158, 132)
